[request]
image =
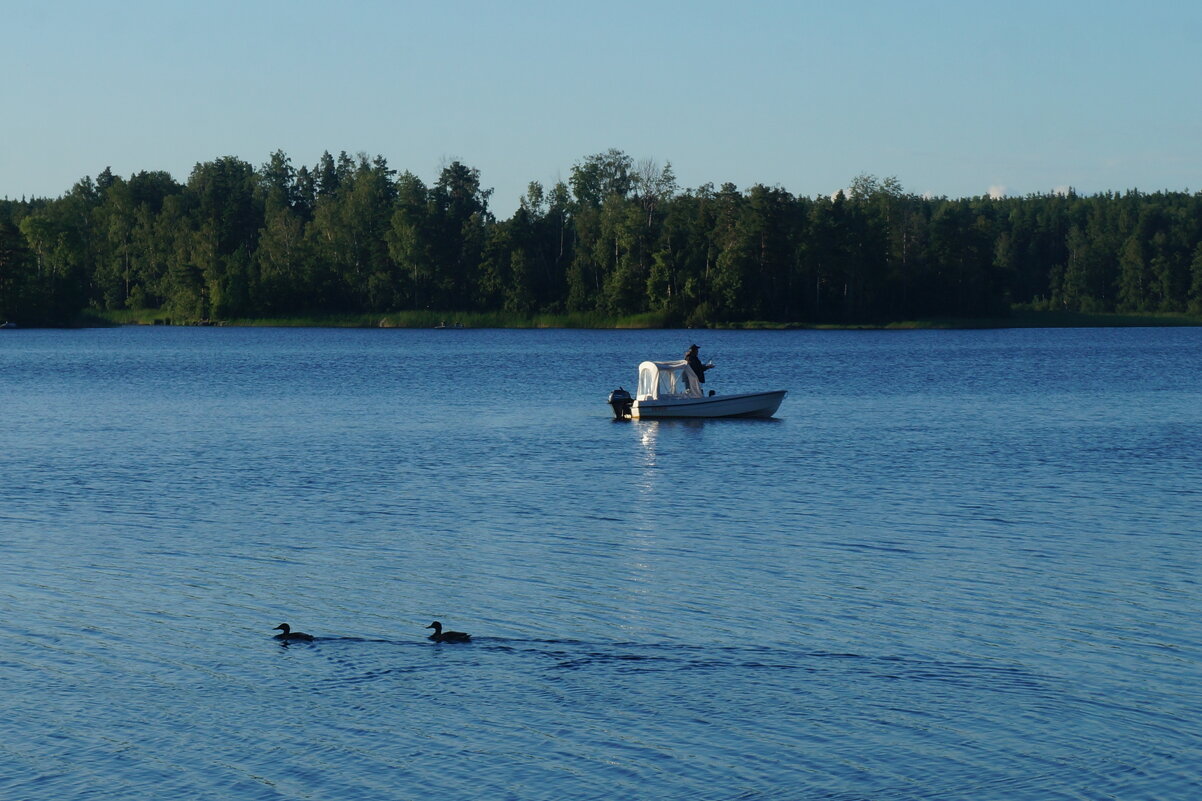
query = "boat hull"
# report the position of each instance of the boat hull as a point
(751, 404)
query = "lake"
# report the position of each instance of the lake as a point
(958, 565)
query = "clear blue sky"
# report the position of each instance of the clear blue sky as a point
(952, 98)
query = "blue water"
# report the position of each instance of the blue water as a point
(959, 565)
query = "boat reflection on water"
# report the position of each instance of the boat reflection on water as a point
(649, 429)
(671, 437)
(649, 433)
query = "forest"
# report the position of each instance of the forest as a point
(619, 238)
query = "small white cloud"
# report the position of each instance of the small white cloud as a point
(997, 191)
(1062, 190)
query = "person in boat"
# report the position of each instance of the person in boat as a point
(694, 361)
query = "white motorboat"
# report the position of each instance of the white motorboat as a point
(671, 389)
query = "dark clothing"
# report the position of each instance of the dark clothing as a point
(696, 365)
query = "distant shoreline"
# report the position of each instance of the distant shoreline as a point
(1019, 318)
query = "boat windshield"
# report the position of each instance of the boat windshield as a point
(667, 380)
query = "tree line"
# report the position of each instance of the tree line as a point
(350, 235)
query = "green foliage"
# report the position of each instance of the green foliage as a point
(618, 244)
(15, 272)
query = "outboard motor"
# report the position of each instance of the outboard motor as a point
(621, 402)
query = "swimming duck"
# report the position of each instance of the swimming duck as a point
(289, 635)
(447, 636)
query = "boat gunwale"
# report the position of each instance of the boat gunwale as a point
(679, 407)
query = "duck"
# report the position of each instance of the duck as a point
(447, 636)
(288, 635)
